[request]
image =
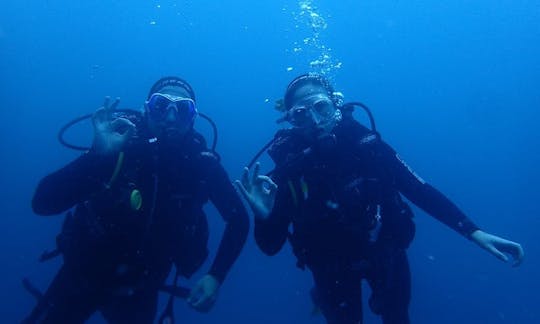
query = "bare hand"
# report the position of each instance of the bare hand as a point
(110, 133)
(204, 294)
(499, 246)
(259, 191)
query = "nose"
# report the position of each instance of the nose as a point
(171, 113)
(324, 108)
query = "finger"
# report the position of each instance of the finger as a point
(115, 104)
(514, 249)
(267, 185)
(122, 123)
(517, 253)
(194, 295)
(197, 303)
(272, 186)
(127, 135)
(242, 189)
(195, 292)
(521, 255)
(255, 174)
(206, 303)
(130, 131)
(99, 116)
(107, 114)
(123, 127)
(193, 301)
(497, 253)
(106, 102)
(245, 179)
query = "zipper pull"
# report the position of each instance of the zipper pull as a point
(374, 232)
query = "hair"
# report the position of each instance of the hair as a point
(308, 78)
(171, 81)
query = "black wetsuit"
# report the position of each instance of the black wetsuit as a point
(342, 194)
(117, 252)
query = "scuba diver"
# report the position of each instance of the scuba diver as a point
(138, 196)
(341, 188)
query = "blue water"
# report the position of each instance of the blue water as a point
(454, 87)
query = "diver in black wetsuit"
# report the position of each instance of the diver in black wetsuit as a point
(340, 187)
(138, 196)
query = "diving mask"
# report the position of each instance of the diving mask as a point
(159, 105)
(316, 109)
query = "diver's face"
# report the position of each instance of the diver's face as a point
(170, 113)
(312, 107)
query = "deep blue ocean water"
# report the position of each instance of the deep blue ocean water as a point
(454, 87)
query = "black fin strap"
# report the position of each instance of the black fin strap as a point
(41, 307)
(38, 295)
(47, 255)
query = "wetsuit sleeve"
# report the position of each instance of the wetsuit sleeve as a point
(224, 196)
(72, 184)
(425, 196)
(271, 233)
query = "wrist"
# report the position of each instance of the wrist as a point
(261, 215)
(479, 237)
(102, 147)
(217, 279)
(475, 235)
(466, 228)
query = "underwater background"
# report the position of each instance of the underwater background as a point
(454, 87)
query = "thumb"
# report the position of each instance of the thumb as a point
(129, 133)
(501, 256)
(194, 293)
(243, 191)
(124, 127)
(99, 116)
(120, 123)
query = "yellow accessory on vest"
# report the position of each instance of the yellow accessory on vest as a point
(117, 169)
(135, 200)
